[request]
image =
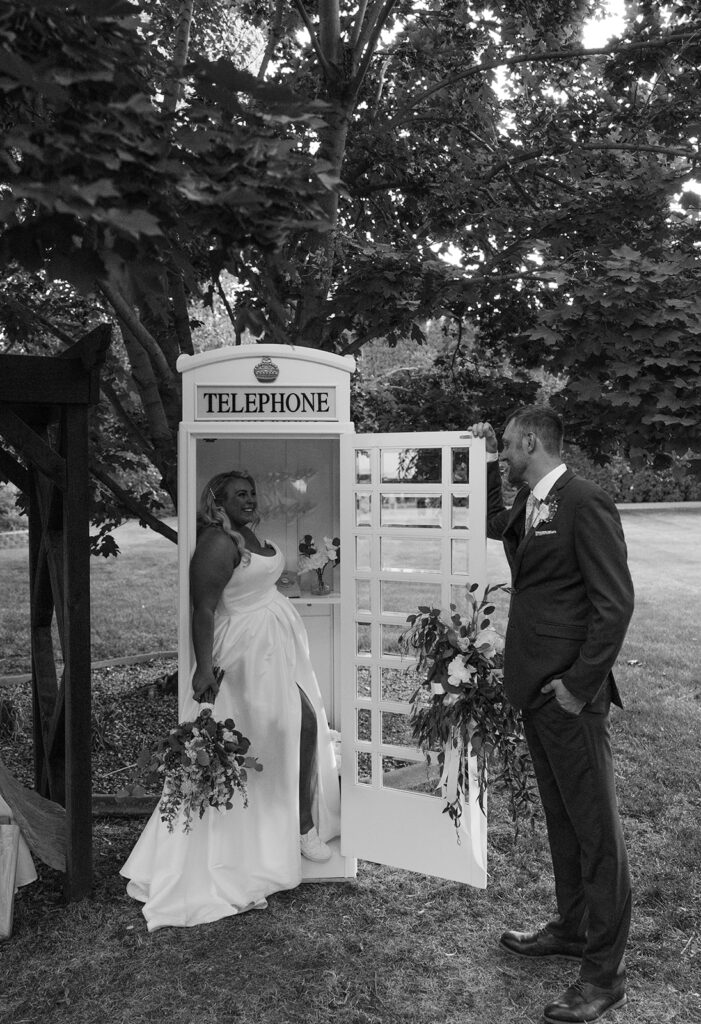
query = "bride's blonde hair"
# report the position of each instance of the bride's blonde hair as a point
(211, 512)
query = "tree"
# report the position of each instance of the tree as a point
(482, 129)
(536, 177)
(123, 192)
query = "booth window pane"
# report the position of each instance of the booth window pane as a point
(404, 596)
(460, 512)
(363, 682)
(363, 768)
(390, 639)
(362, 554)
(362, 467)
(401, 555)
(411, 466)
(363, 509)
(364, 725)
(410, 510)
(396, 729)
(461, 466)
(363, 638)
(362, 596)
(401, 684)
(411, 776)
(460, 557)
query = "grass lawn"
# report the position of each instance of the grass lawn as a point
(394, 947)
(134, 600)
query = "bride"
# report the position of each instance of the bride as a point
(231, 861)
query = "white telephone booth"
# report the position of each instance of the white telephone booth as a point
(409, 510)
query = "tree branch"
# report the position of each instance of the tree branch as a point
(323, 63)
(379, 12)
(227, 306)
(181, 316)
(592, 147)
(128, 317)
(130, 503)
(539, 58)
(368, 49)
(358, 27)
(274, 34)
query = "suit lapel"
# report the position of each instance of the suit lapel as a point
(516, 554)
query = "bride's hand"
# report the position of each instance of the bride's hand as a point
(202, 681)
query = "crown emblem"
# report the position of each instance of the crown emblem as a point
(266, 370)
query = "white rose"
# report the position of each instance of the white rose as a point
(490, 638)
(459, 672)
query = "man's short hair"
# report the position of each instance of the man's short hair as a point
(542, 421)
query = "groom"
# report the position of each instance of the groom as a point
(571, 601)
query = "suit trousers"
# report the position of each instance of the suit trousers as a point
(574, 770)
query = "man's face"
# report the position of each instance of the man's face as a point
(514, 454)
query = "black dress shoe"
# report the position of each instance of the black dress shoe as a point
(583, 1002)
(541, 944)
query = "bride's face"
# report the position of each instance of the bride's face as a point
(239, 502)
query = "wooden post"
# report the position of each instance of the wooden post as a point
(9, 848)
(76, 529)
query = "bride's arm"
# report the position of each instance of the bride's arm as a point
(212, 565)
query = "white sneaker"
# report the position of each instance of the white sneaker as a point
(313, 848)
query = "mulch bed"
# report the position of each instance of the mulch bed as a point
(131, 706)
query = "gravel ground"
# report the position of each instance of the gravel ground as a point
(132, 705)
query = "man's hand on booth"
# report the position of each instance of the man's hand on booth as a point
(486, 430)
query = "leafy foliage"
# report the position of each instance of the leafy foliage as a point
(139, 170)
(467, 709)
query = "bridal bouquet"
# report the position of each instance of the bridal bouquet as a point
(201, 764)
(460, 706)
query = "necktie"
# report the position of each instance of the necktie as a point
(532, 506)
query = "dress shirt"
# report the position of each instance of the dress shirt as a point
(545, 484)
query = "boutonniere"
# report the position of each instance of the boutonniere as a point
(546, 512)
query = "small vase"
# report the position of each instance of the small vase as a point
(319, 587)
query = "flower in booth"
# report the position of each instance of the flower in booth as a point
(316, 558)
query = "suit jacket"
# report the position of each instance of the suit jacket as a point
(572, 594)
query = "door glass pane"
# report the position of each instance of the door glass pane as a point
(363, 509)
(461, 465)
(362, 595)
(460, 554)
(411, 776)
(461, 507)
(362, 554)
(403, 596)
(401, 684)
(363, 682)
(400, 555)
(410, 510)
(363, 638)
(411, 465)
(390, 638)
(364, 724)
(362, 467)
(396, 729)
(363, 768)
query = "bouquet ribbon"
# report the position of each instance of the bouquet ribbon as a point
(458, 761)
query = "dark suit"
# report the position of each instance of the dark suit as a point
(571, 602)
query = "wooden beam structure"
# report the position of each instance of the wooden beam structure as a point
(44, 407)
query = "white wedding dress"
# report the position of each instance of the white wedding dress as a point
(231, 861)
